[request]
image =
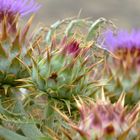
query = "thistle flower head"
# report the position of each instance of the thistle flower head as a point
(125, 45)
(21, 7)
(11, 9)
(102, 119)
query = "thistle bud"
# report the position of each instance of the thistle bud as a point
(102, 120)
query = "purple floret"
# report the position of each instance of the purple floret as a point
(73, 47)
(21, 7)
(125, 46)
(121, 39)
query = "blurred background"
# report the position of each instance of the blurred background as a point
(124, 13)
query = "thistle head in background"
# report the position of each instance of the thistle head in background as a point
(123, 64)
(10, 10)
(102, 120)
(125, 46)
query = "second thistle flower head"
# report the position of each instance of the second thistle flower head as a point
(102, 120)
(21, 7)
(10, 9)
(125, 45)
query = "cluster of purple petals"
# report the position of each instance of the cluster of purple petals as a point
(120, 39)
(73, 47)
(21, 7)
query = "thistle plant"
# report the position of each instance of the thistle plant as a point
(58, 67)
(68, 57)
(102, 120)
(15, 52)
(62, 70)
(61, 74)
(122, 65)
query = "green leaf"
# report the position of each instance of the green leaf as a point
(52, 30)
(49, 114)
(14, 66)
(72, 24)
(94, 27)
(2, 52)
(48, 37)
(10, 135)
(31, 131)
(67, 102)
(15, 48)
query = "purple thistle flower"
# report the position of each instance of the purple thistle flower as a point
(11, 9)
(21, 7)
(125, 45)
(122, 39)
